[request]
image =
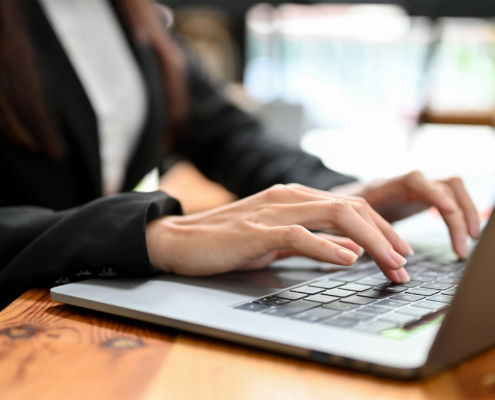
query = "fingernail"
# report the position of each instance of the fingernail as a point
(397, 258)
(360, 252)
(462, 249)
(347, 256)
(407, 246)
(403, 275)
(476, 233)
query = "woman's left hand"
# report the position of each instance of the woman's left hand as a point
(405, 195)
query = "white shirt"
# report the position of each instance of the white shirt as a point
(101, 56)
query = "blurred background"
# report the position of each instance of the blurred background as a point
(375, 89)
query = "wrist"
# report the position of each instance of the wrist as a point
(157, 240)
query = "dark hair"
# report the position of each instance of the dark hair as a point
(24, 118)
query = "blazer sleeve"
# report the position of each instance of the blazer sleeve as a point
(229, 146)
(39, 245)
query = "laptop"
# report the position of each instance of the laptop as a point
(348, 317)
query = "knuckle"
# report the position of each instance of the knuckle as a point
(275, 192)
(321, 248)
(413, 176)
(292, 234)
(455, 180)
(340, 206)
(359, 207)
(447, 191)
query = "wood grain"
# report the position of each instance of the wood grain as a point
(53, 351)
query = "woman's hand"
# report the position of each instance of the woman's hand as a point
(272, 224)
(403, 196)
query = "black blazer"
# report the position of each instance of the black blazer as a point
(53, 219)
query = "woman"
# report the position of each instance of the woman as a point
(91, 92)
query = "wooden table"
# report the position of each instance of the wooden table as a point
(53, 351)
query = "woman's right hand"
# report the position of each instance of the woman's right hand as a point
(252, 232)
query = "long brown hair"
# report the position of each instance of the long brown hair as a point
(24, 118)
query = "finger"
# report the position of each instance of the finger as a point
(371, 216)
(442, 197)
(298, 238)
(329, 214)
(380, 224)
(344, 242)
(373, 241)
(458, 231)
(341, 241)
(429, 191)
(399, 275)
(467, 206)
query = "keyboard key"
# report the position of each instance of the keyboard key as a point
(252, 307)
(415, 259)
(357, 300)
(436, 274)
(359, 316)
(441, 298)
(411, 284)
(338, 292)
(316, 314)
(416, 269)
(372, 281)
(430, 305)
(422, 278)
(399, 319)
(391, 303)
(355, 275)
(429, 265)
(451, 268)
(391, 288)
(454, 280)
(374, 294)
(437, 285)
(291, 295)
(377, 326)
(321, 298)
(264, 300)
(277, 302)
(422, 292)
(406, 297)
(450, 292)
(341, 322)
(307, 289)
(294, 307)
(374, 309)
(355, 287)
(326, 284)
(339, 306)
(415, 311)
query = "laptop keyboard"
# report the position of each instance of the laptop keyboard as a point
(364, 300)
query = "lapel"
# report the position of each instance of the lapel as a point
(76, 111)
